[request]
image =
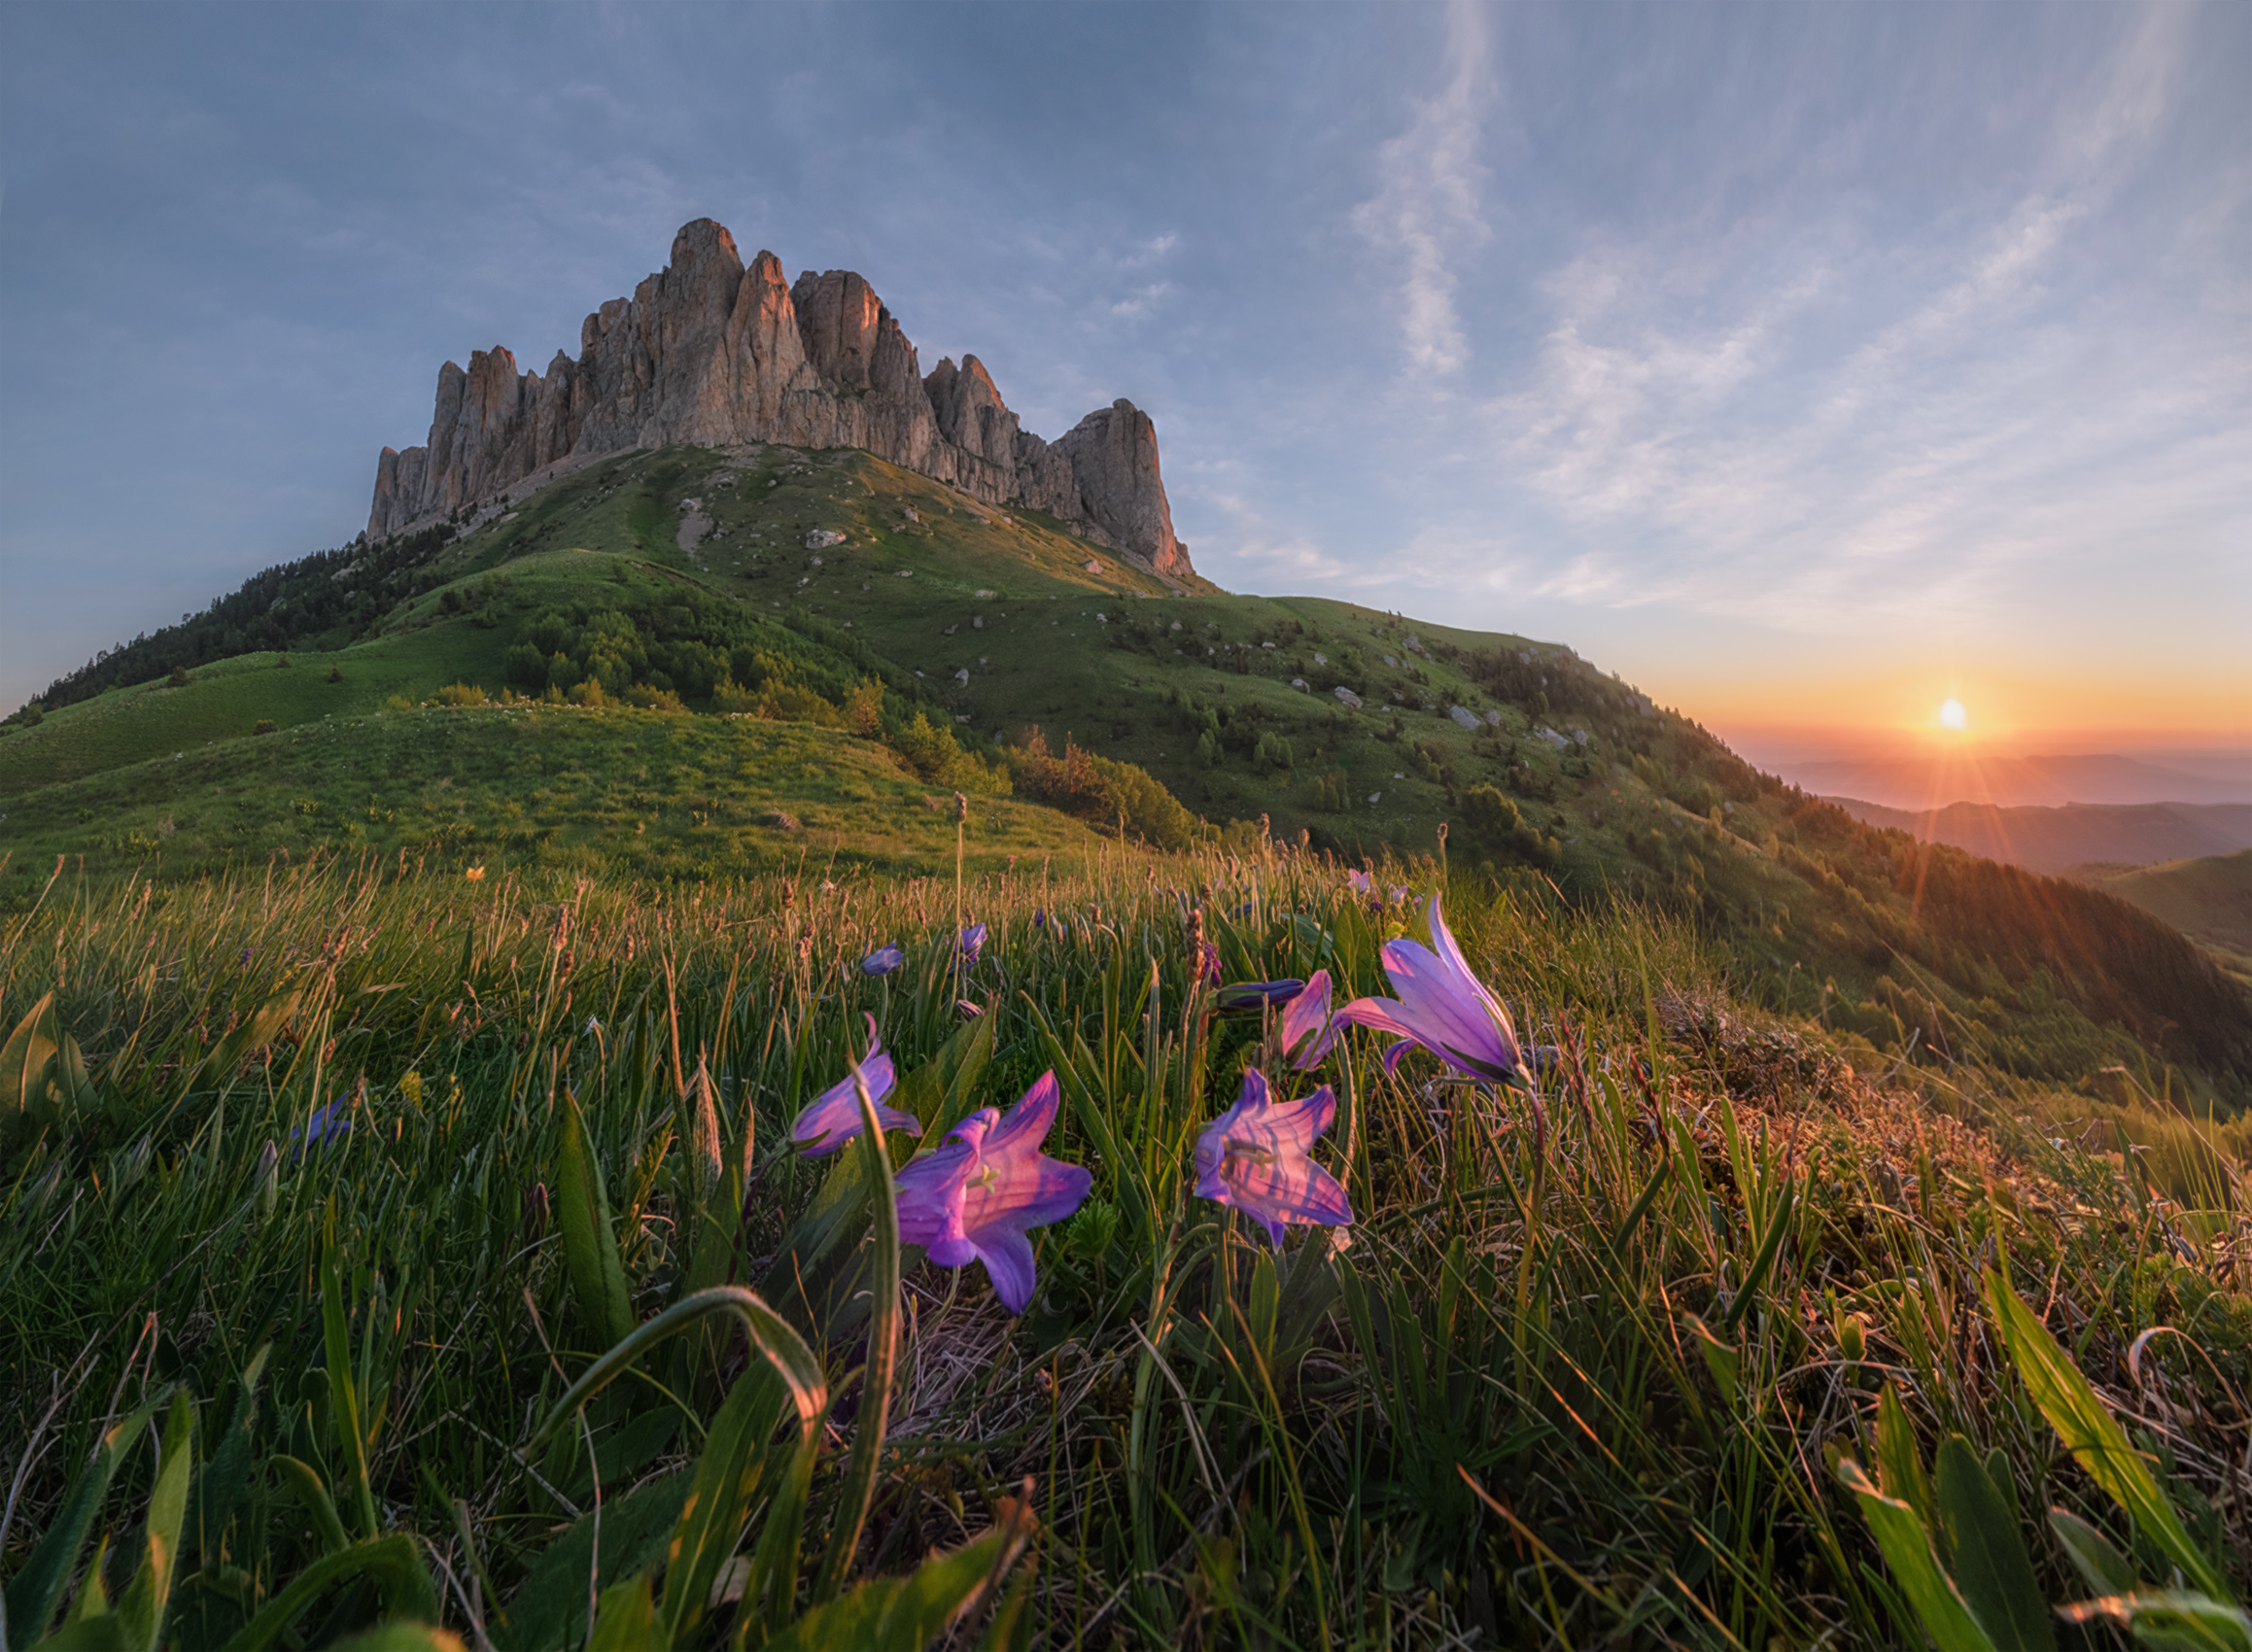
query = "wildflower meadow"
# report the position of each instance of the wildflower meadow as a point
(1149, 1251)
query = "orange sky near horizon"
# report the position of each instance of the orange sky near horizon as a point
(2001, 711)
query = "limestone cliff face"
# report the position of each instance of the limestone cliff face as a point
(712, 352)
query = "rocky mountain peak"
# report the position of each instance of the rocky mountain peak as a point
(712, 352)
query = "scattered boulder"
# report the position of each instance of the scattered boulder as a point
(1347, 697)
(1463, 715)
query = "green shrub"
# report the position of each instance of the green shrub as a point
(463, 694)
(263, 726)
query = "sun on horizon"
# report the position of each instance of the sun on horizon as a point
(1952, 716)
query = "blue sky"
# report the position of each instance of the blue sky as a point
(1805, 365)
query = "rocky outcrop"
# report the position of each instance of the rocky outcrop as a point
(712, 352)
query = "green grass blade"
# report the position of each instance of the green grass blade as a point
(304, 1481)
(1992, 1569)
(34, 1592)
(625, 1618)
(344, 1391)
(2094, 1438)
(393, 1564)
(770, 1336)
(590, 1245)
(875, 1412)
(2106, 1569)
(142, 1609)
(2178, 1620)
(730, 1473)
(907, 1614)
(1907, 1546)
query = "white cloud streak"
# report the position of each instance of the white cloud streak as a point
(1427, 213)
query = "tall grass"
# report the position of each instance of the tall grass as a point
(1579, 1375)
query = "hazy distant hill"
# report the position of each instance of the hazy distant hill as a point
(1929, 783)
(2050, 840)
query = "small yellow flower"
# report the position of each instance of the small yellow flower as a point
(475, 875)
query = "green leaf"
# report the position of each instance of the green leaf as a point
(907, 1614)
(590, 1246)
(729, 1476)
(2171, 1619)
(35, 1589)
(1992, 1569)
(259, 1028)
(2106, 1569)
(402, 1638)
(875, 1411)
(1907, 1544)
(625, 1618)
(1724, 1360)
(343, 1391)
(549, 1607)
(141, 1610)
(304, 1481)
(226, 1472)
(2094, 1438)
(393, 1564)
(42, 1071)
(1899, 1465)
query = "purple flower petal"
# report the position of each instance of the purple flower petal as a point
(971, 942)
(833, 1118)
(1442, 1007)
(1254, 1158)
(884, 960)
(989, 1181)
(1307, 1028)
(1251, 994)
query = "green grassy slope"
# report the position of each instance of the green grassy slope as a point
(988, 623)
(652, 794)
(2209, 899)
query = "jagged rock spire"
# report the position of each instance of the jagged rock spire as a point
(712, 352)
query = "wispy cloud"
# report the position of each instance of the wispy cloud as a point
(1426, 214)
(1817, 426)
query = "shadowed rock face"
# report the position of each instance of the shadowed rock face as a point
(712, 352)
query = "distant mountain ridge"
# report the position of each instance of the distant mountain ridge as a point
(2012, 783)
(2050, 840)
(715, 353)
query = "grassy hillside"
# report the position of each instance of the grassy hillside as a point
(1585, 1368)
(685, 578)
(640, 791)
(2209, 899)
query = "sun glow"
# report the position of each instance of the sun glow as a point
(1951, 716)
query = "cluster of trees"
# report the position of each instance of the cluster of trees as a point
(679, 642)
(1100, 790)
(329, 597)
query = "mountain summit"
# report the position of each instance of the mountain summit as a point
(709, 352)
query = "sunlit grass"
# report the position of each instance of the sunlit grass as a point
(1639, 1309)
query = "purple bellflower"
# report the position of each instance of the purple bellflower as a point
(1308, 1029)
(884, 960)
(1361, 882)
(1442, 1007)
(330, 1123)
(1253, 1159)
(1257, 995)
(973, 940)
(987, 1182)
(833, 1118)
